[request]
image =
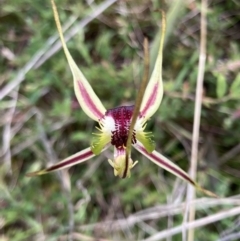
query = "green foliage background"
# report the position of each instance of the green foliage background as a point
(49, 125)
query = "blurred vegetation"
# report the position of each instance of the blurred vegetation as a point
(47, 122)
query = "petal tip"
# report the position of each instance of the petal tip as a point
(37, 173)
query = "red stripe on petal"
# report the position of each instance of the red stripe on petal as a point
(71, 161)
(88, 101)
(164, 163)
(151, 100)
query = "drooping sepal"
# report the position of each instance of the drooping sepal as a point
(87, 98)
(75, 159)
(166, 164)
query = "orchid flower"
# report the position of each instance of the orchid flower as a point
(114, 124)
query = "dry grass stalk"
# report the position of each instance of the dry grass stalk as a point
(197, 113)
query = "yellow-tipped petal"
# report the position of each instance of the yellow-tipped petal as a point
(154, 91)
(37, 173)
(75, 159)
(166, 164)
(87, 98)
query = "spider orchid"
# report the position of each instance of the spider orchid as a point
(114, 124)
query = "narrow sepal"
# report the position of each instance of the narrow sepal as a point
(87, 98)
(166, 164)
(154, 91)
(75, 159)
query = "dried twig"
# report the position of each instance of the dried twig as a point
(7, 135)
(158, 212)
(195, 224)
(197, 113)
(139, 98)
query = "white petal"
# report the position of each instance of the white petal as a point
(154, 91)
(87, 98)
(75, 159)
